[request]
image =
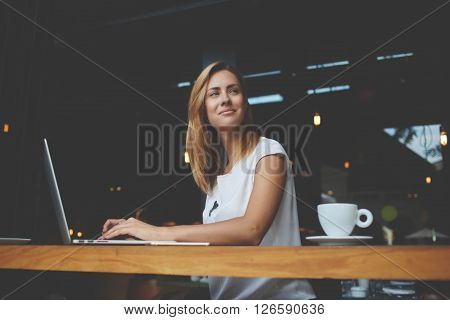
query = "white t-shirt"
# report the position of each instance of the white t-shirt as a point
(232, 193)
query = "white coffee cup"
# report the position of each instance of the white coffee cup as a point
(339, 219)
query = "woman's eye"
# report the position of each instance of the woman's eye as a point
(234, 90)
(214, 93)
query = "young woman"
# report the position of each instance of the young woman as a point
(248, 181)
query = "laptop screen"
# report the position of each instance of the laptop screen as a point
(55, 195)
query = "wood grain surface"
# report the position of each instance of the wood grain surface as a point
(374, 262)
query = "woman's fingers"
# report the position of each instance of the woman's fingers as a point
(120, 226)
(117, 232)
(130, 227)
(111, 223)
(107, 225)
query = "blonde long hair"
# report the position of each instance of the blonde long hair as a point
(202, 143)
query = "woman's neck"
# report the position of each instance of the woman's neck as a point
(232, 143)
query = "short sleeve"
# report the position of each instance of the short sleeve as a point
(265, 148)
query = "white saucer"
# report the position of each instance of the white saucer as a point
(14, 240)
(339, 241)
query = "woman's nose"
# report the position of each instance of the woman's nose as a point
(225, 99)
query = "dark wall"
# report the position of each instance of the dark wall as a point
(24, 78)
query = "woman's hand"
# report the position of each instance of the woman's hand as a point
(111, 223)
(134, 228)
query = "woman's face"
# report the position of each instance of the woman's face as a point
(224, 101)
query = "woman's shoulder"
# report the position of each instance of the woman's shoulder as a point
(269, 146)
(265, 147)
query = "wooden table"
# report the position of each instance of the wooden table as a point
(374, 262)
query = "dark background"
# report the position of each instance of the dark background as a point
(90, 118)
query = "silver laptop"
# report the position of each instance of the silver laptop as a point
(14, 240)
(62, 222)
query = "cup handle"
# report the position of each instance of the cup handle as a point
(369, 218)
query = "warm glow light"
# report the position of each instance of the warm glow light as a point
(428, 180)
(443, 138)
(71, 232)
(79, 234)
(111, 189)
(6, 128)
(346, 164)
(186, 157)
(118, 188)
(330, 192)
(317, 119)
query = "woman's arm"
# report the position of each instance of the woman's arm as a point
(268, 189)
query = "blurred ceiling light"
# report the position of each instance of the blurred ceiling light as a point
(71, 232)
(186, 157)
(79, 234)
(346, 164)
(395, 56)
(443, 137)
(327, 65)
(317, 91)
(272, 98)
(6, 128)
(118, 188)
(183, 84)
(317, 119)
(428, 180)
(262, 74)
(111, 189)
(328, 89)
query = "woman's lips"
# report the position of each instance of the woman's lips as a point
(228, 112)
